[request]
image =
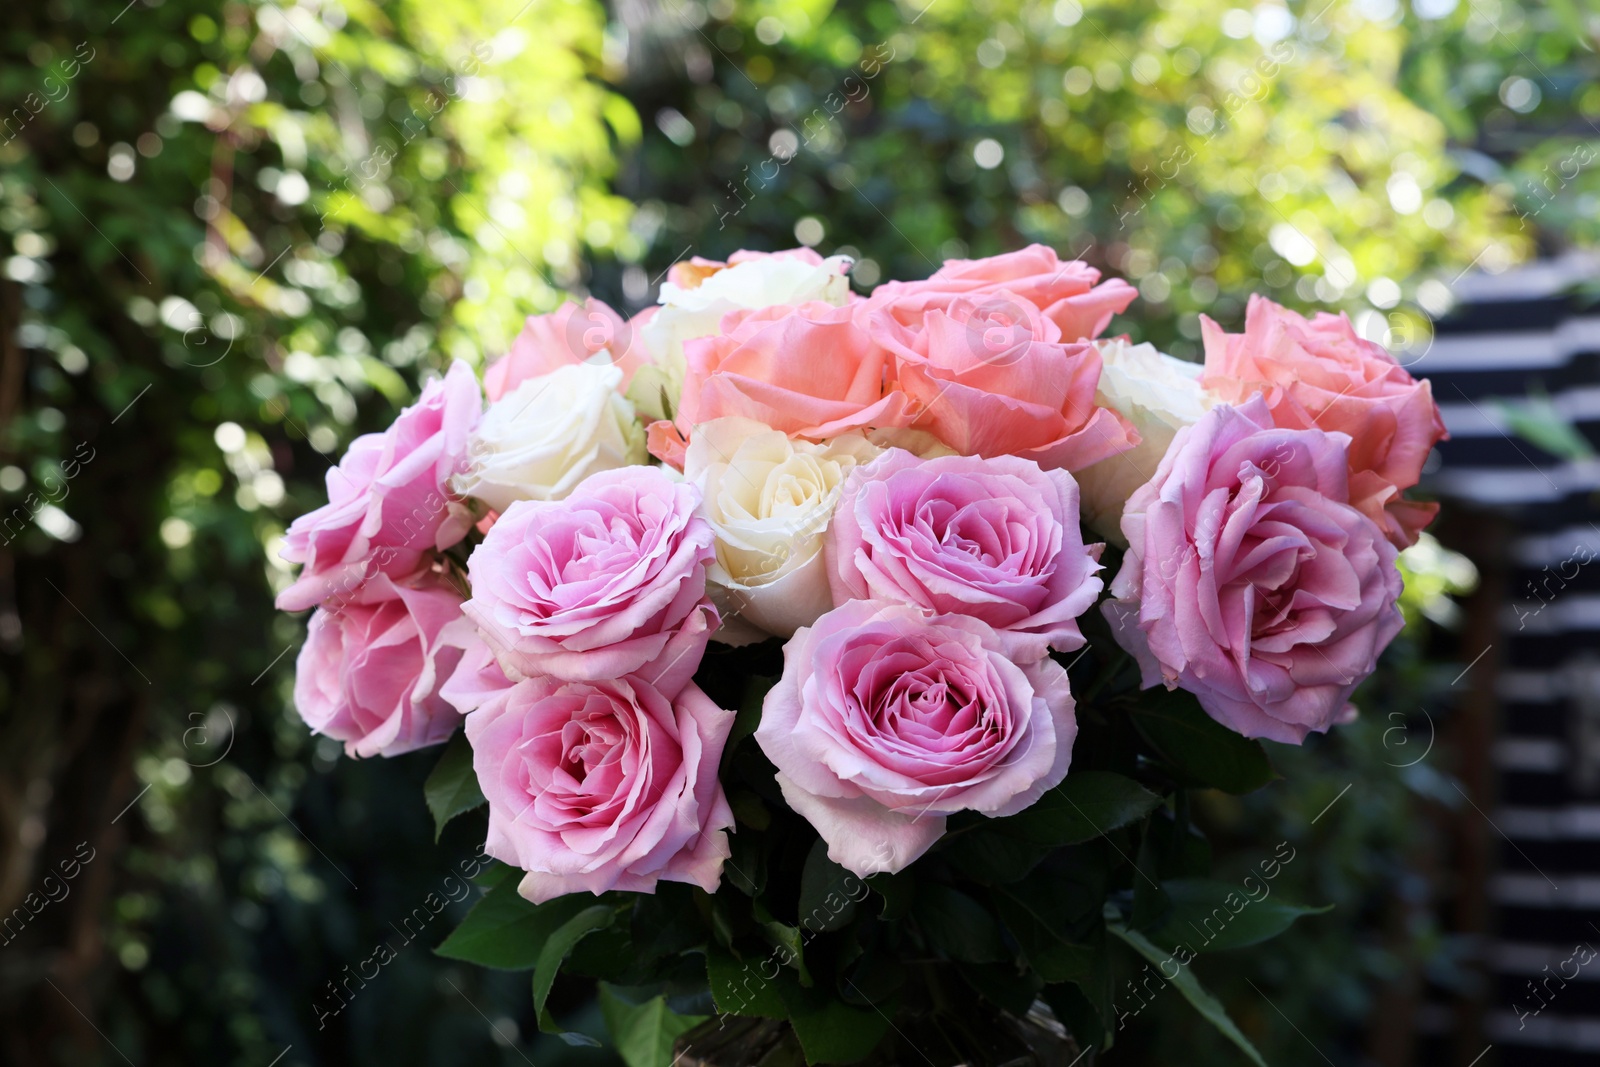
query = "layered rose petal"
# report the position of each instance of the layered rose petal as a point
(1320, 374)
(886, 720)
(770, 500)
(602, 785)
(991, 377)
(549, 433)
(1250, 580)
(608, 582)
(370, 672)
(1066, 292)
(575, 333)
(809, 371)
(997, 539)
(389, 500)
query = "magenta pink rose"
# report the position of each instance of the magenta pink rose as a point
(810, 371)
(369, 673)
(1064, 291)
(1250, 580)
(574, 333)
(389, 501)
(988, 375)
(603, 785)
(607, 582)
(887, 720)
(997, 539)
(1320, 374)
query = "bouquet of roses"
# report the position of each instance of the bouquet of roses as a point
(772, 623)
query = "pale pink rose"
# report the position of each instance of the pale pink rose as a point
(574, 333)
(989, 376)
(1064, 291)
(603, 785)
(810, 371)
(1250, 581)
(607, 582)
(369, 673)
(1320, 374)
(887, 720)
(997, 539)
(389, 501)
(478, 675)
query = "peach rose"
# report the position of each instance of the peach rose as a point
(810, 371)
(990, 376)
(1319, 374)
(1064, 291)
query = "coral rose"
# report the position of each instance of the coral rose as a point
(389, 499)
(608, 582)
(603, 785)
(1250, 581)
(1320, 374)
(810, 371)
(1066, 292)
(996, 539)
(369, 673)
(989, 376)
(887, 720)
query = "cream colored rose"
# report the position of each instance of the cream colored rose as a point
(541, 439)
(1160, 395)
(770, 500)
(686, 314)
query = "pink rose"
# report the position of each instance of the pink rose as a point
(369, 673)
(997, 539)
(1250, 581)
(886, 721)
(389, 502)
(603, 785)
(989, 376)
(607, 582)
(1065, 292)
(810, 371)
(1320, 374)
(586, 333)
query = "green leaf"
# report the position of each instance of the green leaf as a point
(1002, 985)
(1186, 982)
(988, 856)
(643, 1033)
(828, 892)
(1086, 805)
(831, 1031)
(958, 926)
(557, 946)
(505, 931)
(1041, 921)
(1079, 1016)
(1211, 916)
(749, 713)
(1200, 750)
(452, 788)
(744, 988)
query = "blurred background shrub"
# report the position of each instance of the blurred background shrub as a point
(237, 234)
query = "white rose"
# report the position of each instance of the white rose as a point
(686, 314)
(770, 500)
(550, 433)
(1160, 395)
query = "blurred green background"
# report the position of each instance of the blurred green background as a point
(237, 234)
